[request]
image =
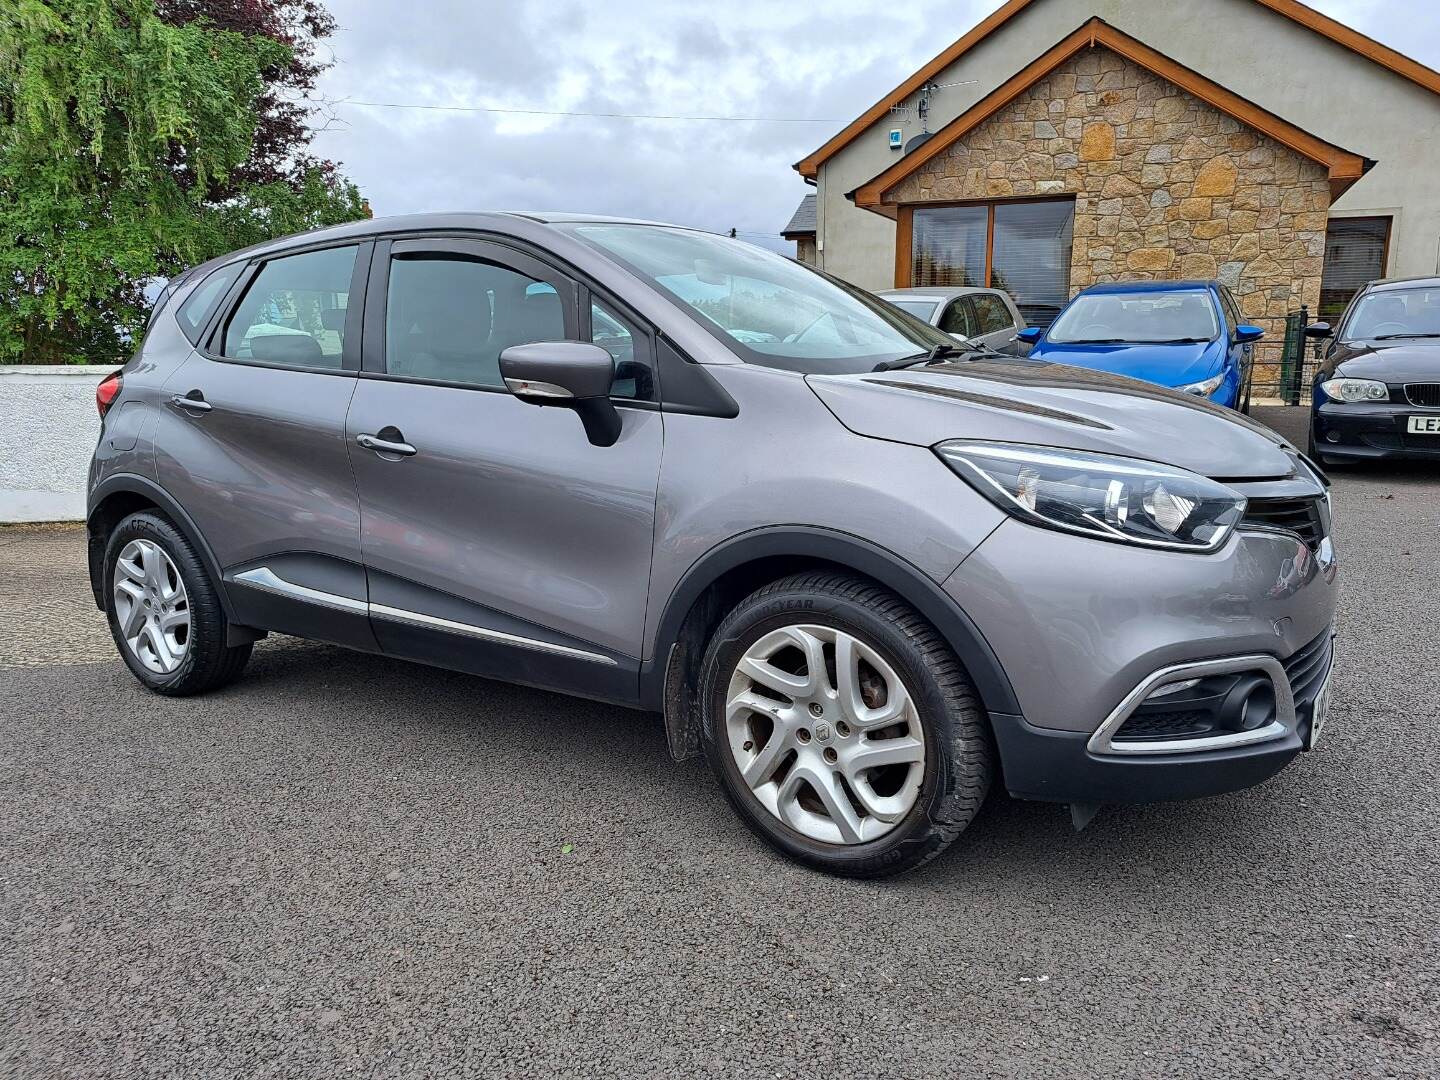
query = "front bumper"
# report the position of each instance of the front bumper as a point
(1060, 766)
(1365, 432)
(1079, 625)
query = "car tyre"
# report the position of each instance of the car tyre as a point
(174, 663)
(958, 754)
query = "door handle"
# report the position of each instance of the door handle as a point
(386, 446)
(194, 401)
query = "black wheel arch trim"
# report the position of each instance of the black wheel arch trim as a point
(843, 549)
(135, 484)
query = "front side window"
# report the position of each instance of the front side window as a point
(1395, 313)
(992, 313)
(293, 313)
(448, 318)
(1170, 316)
(768, 309)
(958, 319)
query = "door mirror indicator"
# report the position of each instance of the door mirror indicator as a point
(1030, 335)
(1318, 330)
(1246, 334)
(571, 374)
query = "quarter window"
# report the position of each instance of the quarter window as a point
(293, 313)
(611, 332)
(447, 318)
(200, 305)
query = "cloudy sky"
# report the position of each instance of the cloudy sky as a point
(761, 59)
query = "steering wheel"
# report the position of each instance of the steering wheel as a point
(1381, 329)
(1098, 330)
(799, 335)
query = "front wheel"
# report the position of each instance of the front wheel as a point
(842, 727)
(165, 615)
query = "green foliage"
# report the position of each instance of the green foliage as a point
(113, 125)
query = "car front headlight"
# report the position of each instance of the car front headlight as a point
(1351, 391)
(1100, 495)
(1204, 388)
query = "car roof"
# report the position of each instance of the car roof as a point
(1148, 286)
(460, 220)
(936, 292)
(1385, 284)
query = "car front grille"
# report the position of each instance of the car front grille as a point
(1307, 517)
(1425, 395)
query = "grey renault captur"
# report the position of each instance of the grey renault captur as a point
(867, 571)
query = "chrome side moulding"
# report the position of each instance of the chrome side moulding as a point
(265, 579)
(415, 618)
(1104, 742)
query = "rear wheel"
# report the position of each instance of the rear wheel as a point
(842, 727)
(164, 612)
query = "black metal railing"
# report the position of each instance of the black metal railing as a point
(1283, 368)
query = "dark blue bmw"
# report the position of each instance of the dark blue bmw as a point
(1186, 335)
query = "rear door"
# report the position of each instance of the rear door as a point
(251, 443)
(497, 539)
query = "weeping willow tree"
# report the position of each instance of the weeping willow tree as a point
(116, 129)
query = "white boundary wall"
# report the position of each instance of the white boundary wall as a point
(48, 428)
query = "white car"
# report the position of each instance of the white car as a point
(982, 316)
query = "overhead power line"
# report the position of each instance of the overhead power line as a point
(602, 115)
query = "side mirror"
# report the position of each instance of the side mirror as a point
(1318, 330)
(570, 374)
(1246, 334)
(1030, 335)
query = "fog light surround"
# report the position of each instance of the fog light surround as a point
(1262, 709)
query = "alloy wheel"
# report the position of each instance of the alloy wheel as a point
(825, 734)
(151, 606)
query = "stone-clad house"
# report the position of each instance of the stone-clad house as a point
(1069, 142)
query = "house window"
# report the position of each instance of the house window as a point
(1021, 246)
(1355, 253)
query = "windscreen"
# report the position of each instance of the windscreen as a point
(1395, 313)
(1141, 318)
(768, 309)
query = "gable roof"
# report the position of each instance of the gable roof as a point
(1344, 167)
(802, 222)
(1311, 19)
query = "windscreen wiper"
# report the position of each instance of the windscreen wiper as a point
(943, 351)
(1392, 337)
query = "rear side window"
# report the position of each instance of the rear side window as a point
(195, 312)
(992, 313)
(447, 319)
(293, 313)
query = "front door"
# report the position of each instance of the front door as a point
(496, 538)
(252, 445)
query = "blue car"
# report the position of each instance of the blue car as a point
(1186, 335)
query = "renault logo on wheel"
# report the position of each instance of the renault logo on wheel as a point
(822, 731)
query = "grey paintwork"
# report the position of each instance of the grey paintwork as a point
(507, 513)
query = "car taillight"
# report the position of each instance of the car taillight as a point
(108, 391)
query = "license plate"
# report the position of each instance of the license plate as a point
(1425, 425)
(1318, 715)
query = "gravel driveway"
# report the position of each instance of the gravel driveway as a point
(345, 865)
